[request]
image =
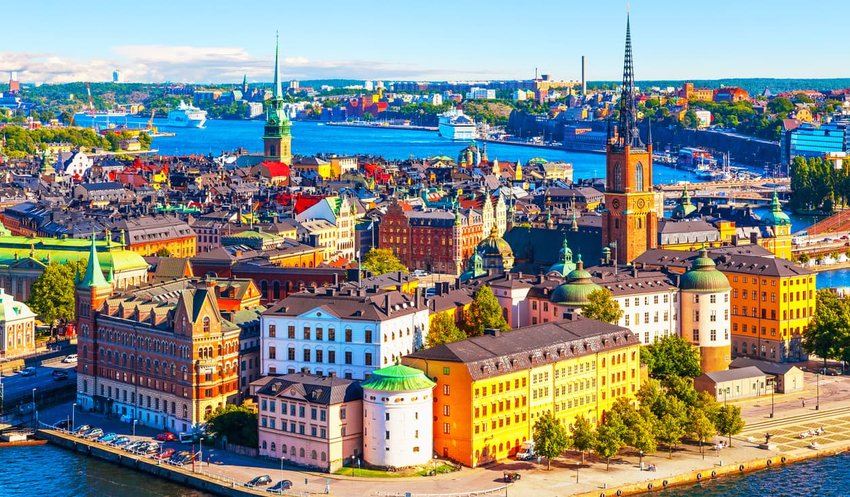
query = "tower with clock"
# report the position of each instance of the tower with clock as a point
(630, 217)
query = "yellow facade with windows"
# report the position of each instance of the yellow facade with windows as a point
(486, 406)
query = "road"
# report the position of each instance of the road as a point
(18, 386)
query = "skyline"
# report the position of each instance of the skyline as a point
(475, 40)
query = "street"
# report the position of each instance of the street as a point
(18, 387)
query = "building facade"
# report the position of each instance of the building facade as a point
(17, 327)
(148, 235)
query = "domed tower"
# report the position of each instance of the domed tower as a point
(574, 293)
(495, 252)
(397, 417)
(565, 263)
(474, 269)
(779, 240)
(705, 313)
(685, 208)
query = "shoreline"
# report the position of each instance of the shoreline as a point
(378, 125)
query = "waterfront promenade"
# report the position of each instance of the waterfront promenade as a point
(790, 419)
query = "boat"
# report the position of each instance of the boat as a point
(692, 159)
(20, 439)
(455, 125)
(186, 116)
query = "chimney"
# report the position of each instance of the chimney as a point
(493, 332)
(387, 304)
(446, 287)
(583, 77)
(417, 297)
(634, 271)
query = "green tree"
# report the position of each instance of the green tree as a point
(583, 436)
(681, 388)
(729, 421)
(701, 428)
(484, 312)
(802, 98)
(610, 438)
(602, 306)
(691, 120)
(550, 437)
(828, 334)
(380, 261)
(671, 426)
(780, 105)
(163, 252)
(443, 330)
(671, 356)
(52, 293)
(237, 423)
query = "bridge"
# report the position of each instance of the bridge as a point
(757, 191)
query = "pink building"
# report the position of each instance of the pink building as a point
(310, 420)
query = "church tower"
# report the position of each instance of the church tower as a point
(277, 139)
(630, 217)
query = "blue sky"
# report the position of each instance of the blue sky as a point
(218, 41)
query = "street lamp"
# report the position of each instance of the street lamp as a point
(73, 412)
(817, 403)
(281, 462)
(435, 465)
(134, 427)
(772, 391)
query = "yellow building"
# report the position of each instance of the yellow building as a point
(492, 389)
(312, 165)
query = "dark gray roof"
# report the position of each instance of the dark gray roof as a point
(767, 367)
(494, 355)
(348, 302)
(733, 374)
(313, 389)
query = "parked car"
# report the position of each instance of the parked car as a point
(93, 433)
(108, 437)
(80, 430)
(258, 481)
(280, 486)
(166, 436)
(27, 371)
(132, 446)
(526, 451)
(165, 454)
(120, 441)
(181, 458)
(149, 448)
(70, 359)
(59, 375)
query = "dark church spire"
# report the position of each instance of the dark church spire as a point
(627, 126)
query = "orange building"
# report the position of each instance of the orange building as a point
(491, 389)
(690, 93)
(148, 235)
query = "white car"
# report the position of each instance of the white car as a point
(72, 358)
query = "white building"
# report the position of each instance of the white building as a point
(74, 164)
(705, 313)
(17, 327)
(347, 331)
(475, 93)
(340, 212)
(397, 412)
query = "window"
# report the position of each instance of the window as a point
(446, 428)
(306, 333)
(639, 186)
(290, 353)
(331, 335)
(290, 332)
(272, 352)
(446, 410)
(368, 358)
(348, 357)
(320, 334)
(206, 324)
(446, 389)
(319, 355)
(272, 331)
(367, 336)
(446, 371)
(332, 356)
(713, 335)
(713, 299)
(696, 335)
(348, 335)
(306, 355)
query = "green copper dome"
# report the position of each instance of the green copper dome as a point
(577, 289)
(398, 378)
(475, 268)
(776, 217)
(704, 276)
(494, 245)
(685, 208)
(565, 263)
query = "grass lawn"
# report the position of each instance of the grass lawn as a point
(367, 473)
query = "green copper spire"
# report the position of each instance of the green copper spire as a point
(94, 274)
(277, 135)
(278, 93)
(776, 217)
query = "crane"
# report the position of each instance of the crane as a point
(151, 127)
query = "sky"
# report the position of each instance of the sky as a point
(219, 41)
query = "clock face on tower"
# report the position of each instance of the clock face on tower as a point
(615, 203)
(641, 203)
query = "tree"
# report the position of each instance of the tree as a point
(691, 120)
(52, 293)
(163, 252)
(828, 334)
(584, 436)
(671, 426)
(379, 261)
(780, 105)
(701, 428)
(671, 356)
(609, 438)
(729, 421)
(802, 98)
(443, 330)
(550, 437)
(602, 306)
(237, 423)
(484, 312)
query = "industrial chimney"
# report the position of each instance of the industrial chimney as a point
(583, 77)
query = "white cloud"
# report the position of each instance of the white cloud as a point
(156, 63)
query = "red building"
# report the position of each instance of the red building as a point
(730, 94)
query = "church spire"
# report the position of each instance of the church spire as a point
(278, 93)
(627, 127)
(94, 274)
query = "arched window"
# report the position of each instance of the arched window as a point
(618, 177)
(639, 177)
(206, 324)
(276, 290)
(274, 448)
(324, 456)
(301, 452)
(313, 455)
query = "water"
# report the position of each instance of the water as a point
(309, 138)
(48, 470)
(825, 477)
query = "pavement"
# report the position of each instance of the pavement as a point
(567, 476)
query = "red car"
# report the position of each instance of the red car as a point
(165, 454)
(166, 436)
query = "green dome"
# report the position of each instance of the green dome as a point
(494, 245)
(398, 378)
(577, 289)
(684, 208)
(776, 217)
(565, 261)
(704, 276)
(475, 268)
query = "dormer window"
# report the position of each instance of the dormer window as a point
(206, 324)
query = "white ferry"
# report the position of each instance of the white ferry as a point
(186, 116)
(455, 125)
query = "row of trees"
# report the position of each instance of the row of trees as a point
(668, 413)
(21, 142)
(818, 185)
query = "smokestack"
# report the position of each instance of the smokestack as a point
(583, 77)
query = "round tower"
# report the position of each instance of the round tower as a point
(397, 417)
(705, 313)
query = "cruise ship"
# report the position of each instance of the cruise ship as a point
(186, 116)
(455, 125)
